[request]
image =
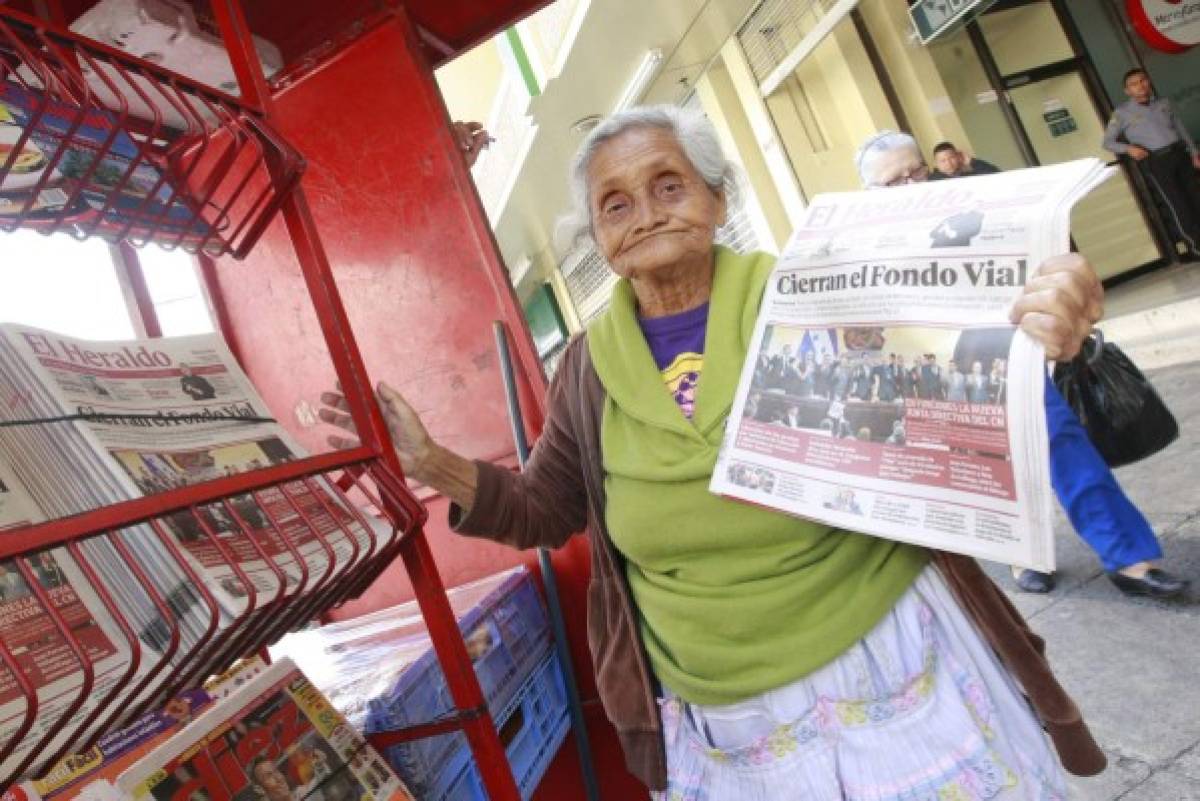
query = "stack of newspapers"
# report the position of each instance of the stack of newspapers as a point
(274, 739)
(885, 390)
(87, 424)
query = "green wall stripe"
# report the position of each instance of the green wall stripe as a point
(518, 51)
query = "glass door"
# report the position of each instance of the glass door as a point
(1057, 119)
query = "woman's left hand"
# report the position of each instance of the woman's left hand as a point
(1059, 305)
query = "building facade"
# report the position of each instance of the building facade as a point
(794, 86)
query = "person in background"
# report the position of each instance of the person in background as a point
(860, 379)
(953, 163)
(823, 379)
(1087, 489)
(791, 417)
(472, 140)
(746, 653)
(998, 382)
(904, 378)
(840, 382)
(194, 386)
(884, 380)
(979, 386)
(1147, 129)
(930, 387)
(954, 384)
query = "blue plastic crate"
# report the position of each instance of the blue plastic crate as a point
(532, 729)
(508, 637)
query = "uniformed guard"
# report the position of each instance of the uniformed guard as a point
(1154, 135)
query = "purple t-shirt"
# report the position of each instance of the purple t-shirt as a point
(677, 343)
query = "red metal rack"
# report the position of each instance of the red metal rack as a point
(130, 152)
(226, 154)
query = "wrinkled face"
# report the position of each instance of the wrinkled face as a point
(902, 165)
(948, 162)
(1138, 87)
(650, 208)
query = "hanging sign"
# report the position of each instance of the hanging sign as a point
(936, 18)
(1172, 26)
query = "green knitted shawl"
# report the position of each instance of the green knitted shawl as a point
(734, 599)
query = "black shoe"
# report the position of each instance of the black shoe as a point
(1035, 581)
(1155, 584)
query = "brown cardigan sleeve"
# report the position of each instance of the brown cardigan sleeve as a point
(547, 502)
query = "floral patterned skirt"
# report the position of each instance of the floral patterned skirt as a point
(919, 710)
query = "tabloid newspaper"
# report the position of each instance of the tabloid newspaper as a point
(275, 739)
(885, 390)
(85, 424)
(42, 654)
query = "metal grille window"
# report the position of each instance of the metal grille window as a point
(589, 283)
(738, 232)
(776, 28)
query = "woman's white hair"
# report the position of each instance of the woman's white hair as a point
(696, 136)
(877, 145)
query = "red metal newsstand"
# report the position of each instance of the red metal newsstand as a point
(377, 263)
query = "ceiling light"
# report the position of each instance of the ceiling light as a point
(585, 124)
(633, 92)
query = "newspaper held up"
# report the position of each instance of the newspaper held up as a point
(885, 390)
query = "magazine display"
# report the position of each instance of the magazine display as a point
(113, 753)
(275, 739)
(118, 191)
(885, 390)
(88, 424)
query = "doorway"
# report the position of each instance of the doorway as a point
(1023, 88)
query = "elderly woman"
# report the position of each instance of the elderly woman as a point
(742, 653)
(1087, 489)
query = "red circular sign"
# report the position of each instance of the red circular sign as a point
(1172, 26)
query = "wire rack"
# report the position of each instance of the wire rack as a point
(128, 151)
(313, 500)
(95, 142)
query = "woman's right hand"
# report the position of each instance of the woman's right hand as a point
(413, 443)
(421, 458)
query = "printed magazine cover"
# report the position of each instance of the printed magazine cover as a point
(123, 190)
(275, 739)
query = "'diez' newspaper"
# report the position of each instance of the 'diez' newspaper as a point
(885, 390)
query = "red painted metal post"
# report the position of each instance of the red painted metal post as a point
(443, 627)
(137, 293)
(216, 305)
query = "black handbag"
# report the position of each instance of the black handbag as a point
(1124, 417)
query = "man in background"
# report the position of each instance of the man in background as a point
(1147, 129)
(953, 163)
